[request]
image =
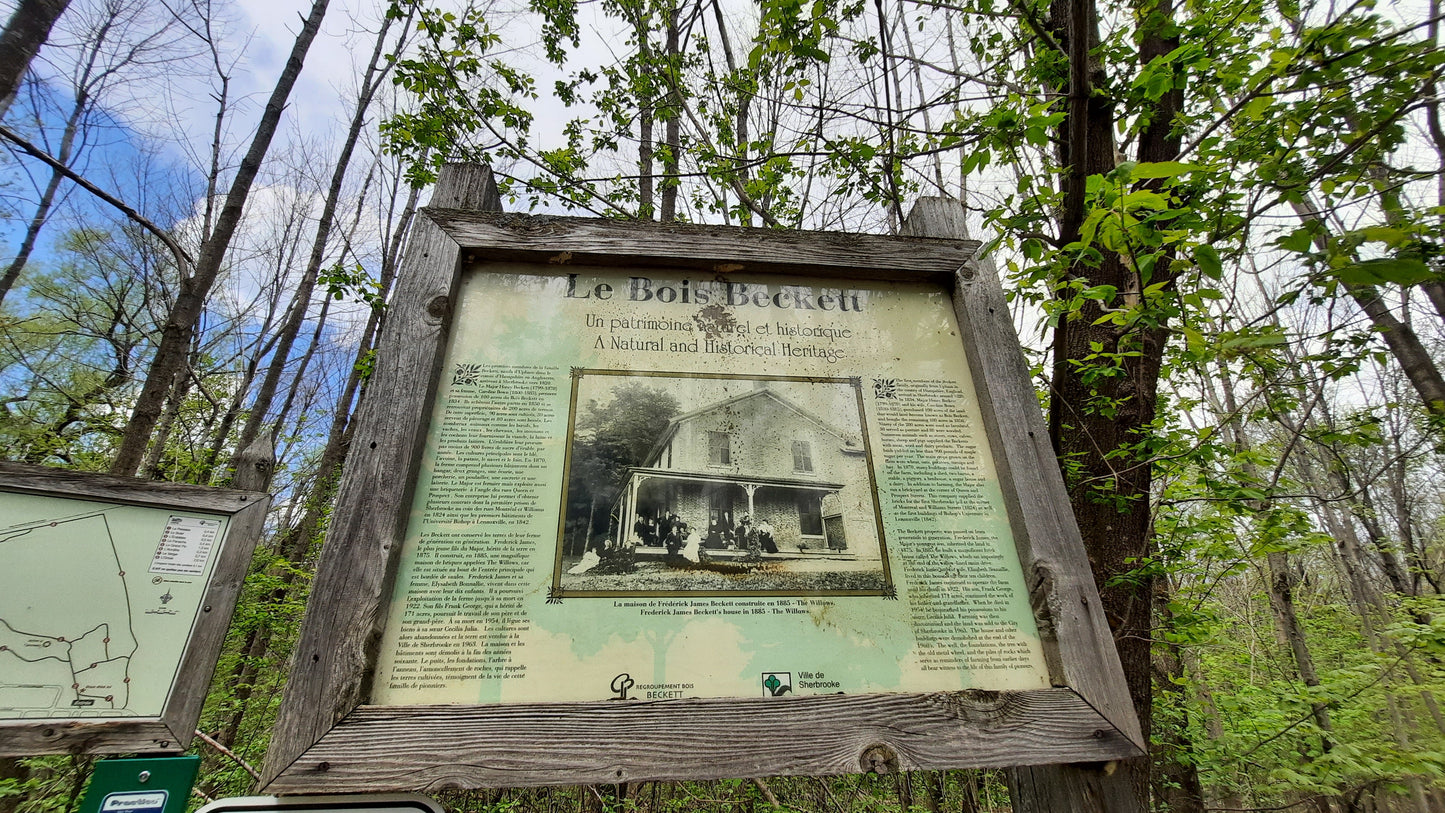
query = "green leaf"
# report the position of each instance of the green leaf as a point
(1208, 261)
(1389, 235)
(1402, 271)
(1300, 240)
(1161, 169)
(1250, 342)
(1143, 198)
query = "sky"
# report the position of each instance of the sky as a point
(345, 43)
(332, 64)
(171, 110)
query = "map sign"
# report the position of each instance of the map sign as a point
(97, 604)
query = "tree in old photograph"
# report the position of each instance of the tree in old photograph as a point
(611, 435)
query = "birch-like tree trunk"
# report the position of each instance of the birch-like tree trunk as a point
(671, 131)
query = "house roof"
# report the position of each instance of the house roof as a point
(678, 421)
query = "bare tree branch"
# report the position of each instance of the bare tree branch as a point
(183, 259)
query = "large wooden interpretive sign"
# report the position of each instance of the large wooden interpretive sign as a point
(115, 595)
(631, 501)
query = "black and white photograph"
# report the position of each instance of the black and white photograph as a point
(705, 484)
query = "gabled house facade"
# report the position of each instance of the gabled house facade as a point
(758, 455)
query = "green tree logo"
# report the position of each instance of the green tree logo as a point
(777, 687)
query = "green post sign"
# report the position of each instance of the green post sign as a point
(159, 785)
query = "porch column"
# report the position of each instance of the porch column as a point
(750, 488)
(631, 504)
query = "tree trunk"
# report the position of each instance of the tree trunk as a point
(151, 467)
(933, 791)
(28, 29)
(1108, 485)
(741, 136)
(1404, 344)
(371, 81)
(1229, 795)
(1176, 784)
(969, 792)
(1280, 578)
(1368, 600)
(1400, 726)
(300, 375)
(194, 290)
(1281, 599)
(1365, 512)
(1404, 505)
(1109, 493)
(671, 132)
(13, 769)
(32, 233)
(903, 784)
(222, 432)
(645, 112)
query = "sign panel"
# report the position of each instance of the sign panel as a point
(141, 785)
(110, 591)
(643, 484)
(349, 803)
(632, 501)
(143, 573)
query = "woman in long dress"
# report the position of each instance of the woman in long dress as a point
(765, 537)
(692, 551)
(590, 559)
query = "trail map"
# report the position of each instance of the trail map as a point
(97, 603)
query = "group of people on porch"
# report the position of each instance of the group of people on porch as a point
(676, 534)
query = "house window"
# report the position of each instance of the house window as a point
(810, 515)
(719, 449)
(802, 456)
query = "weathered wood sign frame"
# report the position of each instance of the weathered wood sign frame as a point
(173, 730)
(328, 738)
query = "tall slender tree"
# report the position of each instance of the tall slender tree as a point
(181, 321)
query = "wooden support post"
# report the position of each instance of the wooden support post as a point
(466, 186)
(330, 667)
(1089, 787)
(255, 464)
(1076, 788)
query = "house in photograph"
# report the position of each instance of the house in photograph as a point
(761, 457)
